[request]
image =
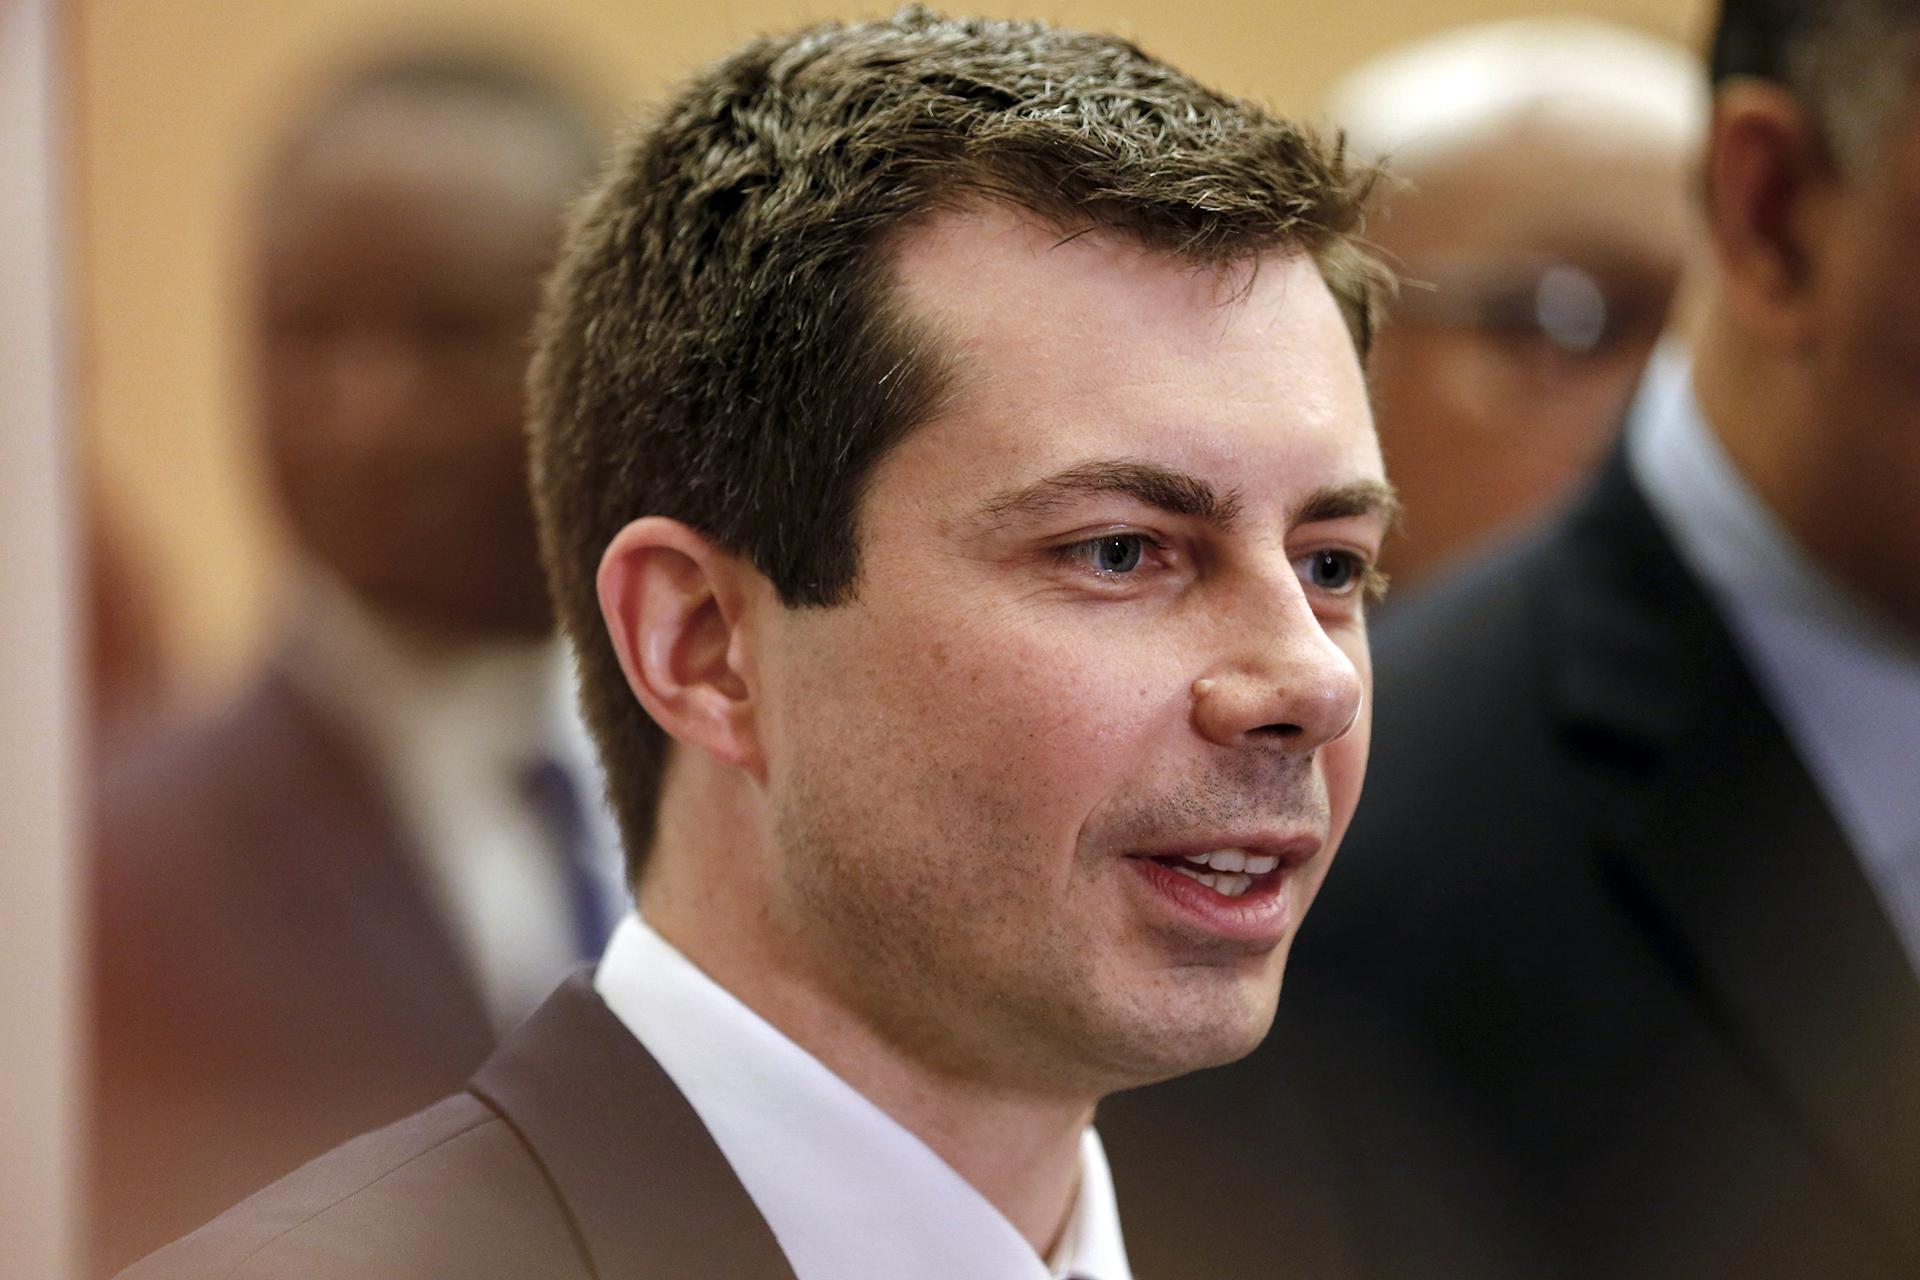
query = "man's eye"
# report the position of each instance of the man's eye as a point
(1111, 554)
(1335, 572)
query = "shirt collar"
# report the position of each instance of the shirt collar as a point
(1844, 684)
(1730, 538)
(849, 1192)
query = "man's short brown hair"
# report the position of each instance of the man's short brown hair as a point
(720, 343)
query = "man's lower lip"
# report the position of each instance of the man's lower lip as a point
(1261, 916)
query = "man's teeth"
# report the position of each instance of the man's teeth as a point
(1220, 870)
(1254, 864)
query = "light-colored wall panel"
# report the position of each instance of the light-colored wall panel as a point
(38, 884)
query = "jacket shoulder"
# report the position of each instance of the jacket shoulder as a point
(450, 1191)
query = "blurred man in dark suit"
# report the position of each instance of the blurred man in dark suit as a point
(1637, 882)
(957, 478)
(316, 907)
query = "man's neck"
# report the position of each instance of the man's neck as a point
(1018, 1149)
(1753, 406)
(1767, 410)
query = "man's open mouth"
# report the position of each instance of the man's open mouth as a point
(1228, 872)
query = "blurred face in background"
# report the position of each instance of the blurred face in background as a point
(399, 258)
(1538, 261)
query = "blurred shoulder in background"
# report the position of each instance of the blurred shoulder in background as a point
(315, 907)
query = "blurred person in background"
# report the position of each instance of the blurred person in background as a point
(1637, 879)
(316, 908)
(1539, 216)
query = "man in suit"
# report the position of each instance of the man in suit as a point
(1637, 883)
(315, 907)
(955, 474)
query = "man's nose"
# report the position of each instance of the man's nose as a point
(1285, 684)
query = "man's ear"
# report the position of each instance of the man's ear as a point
(677, 611)
(1770, 187)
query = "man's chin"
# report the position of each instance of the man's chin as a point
(1198, 1029)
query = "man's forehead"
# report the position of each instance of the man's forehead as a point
(397, 196)
(981, 257)
(1000, 297)
(1552, 183)
(426, 146)
(1076, 356)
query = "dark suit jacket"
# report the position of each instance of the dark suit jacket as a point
(269, 979)
(1594, 903)
(569, 1156)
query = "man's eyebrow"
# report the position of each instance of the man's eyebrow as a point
(1345, 501)
(1155, 485)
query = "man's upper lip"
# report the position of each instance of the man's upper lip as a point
(1291, 849)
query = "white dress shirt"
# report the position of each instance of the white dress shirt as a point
(450, 733)
(849, 1193)
(1844, 684)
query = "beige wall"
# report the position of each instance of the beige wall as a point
(174, 97)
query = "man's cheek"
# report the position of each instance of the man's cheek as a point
(1025, 697)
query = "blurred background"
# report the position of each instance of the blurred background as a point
(147, 126)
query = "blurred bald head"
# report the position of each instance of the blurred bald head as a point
(403, 228)
(1540, 214)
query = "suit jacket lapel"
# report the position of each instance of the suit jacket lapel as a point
(349, 888)
(1731, 860)
(649, 1192)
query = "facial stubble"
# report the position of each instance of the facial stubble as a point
(943, 949)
